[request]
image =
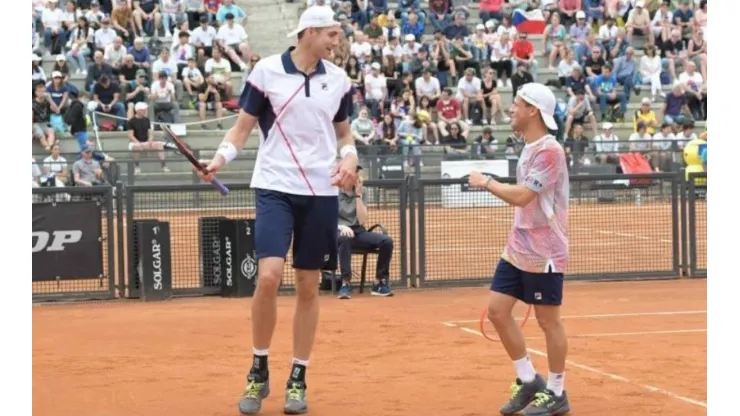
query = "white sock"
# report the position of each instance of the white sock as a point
(300, 362)
(260, 353)
(525, 369)
(556, 382)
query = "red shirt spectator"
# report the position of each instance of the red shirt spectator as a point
(522, 48)
(449, 110)
(212, 5)
(491, 6)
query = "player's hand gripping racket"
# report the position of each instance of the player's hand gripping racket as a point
(183, 149)
(521, 313)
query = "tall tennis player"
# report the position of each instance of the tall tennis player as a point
(534, 259)
(301, 103)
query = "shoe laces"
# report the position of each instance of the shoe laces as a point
(515, 388)
(253, 389)
(295, 391)
(542, 398)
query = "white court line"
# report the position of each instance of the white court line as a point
(626, 334)
(603, 315)
(606, 374)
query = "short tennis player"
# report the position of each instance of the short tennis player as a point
(301, 103)
(532, 265)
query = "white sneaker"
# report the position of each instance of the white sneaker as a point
(499, 83)
(469, 122)
(508, 83)
(137, 170)
(165, 169)
(484, 121)
(167, 35)
(84, 72)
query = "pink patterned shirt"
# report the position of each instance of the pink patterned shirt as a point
(538, 243)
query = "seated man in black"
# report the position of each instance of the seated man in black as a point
(353, 235)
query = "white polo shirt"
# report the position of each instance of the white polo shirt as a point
(296, 112)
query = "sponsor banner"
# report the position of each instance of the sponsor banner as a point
(155, 261)
(67, 241)
(462, 195)
(238, 257)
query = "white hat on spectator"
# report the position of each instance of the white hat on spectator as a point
(607, 126)
(580, 15)
(640, 4)
(140, 106)
(35, 58)
(646, 100)
(490, 24)
(61, 58)
(315, 17)
(375, 65)
(543, 98)
(480, 26)
(409, 37)
(57, 74)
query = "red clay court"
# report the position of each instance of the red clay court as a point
(636, 348)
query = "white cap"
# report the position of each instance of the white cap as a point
(541, 97)
(480, 26)
(490, 24)
(375, 65)
(61, 58)
(315, 17)
(56, 74)
(607, 126)
(580, 15)
(646, 100)
(640, 4)
(140, 106)
(409, 37)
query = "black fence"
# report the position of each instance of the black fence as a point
(188, 240)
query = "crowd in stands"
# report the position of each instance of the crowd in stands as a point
(138, 58)
(423, 77)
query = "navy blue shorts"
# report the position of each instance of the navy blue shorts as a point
(310, 221)
(530, 288)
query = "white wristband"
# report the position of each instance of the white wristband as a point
(347, 149)
(227, 151)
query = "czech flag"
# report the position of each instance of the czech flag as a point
(529, 22)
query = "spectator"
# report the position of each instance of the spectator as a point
(640, 140)
(376, 90)
(232, 40)
(202, 38)
(55, 168)
(674, 52)
(164, 96)
(428, 86)
(522, 52)
(192, 79)
(166, 64)
(42, 110)
(140, 53)
(106, 94)
(565, 68)
(594, 64)
(607, 145)
(127, 71)
(608, 33)
(136, 91)
(58, 91)
(595, 10)
(173, 15)
(114, 53)
(79, 46)
(619, 46)
(353, 235)
(470, 95)
(195, 9)
(75, 118)
(606, 92)
(686, 134)
(625, 69)
(650, 68)
(95, 71)
(505, 27)
(228, 7)
(501, 60)
(647, 116)
(554, 40)
(94, 16)
(147, 16)
(697, 52)
(363, 130)
(580, 112)
(105, 35)
(412, 133)
(692, 82)
(463, 58)
(491, 9)
(87, 171)
(700, 19)
(391, 29)
(386, 133)
(54, 34)
(638, 23)
(412, 25)
(576, 81)
(492, 99)
(182, 51)
(568, 10)
(122, 20)
(408, 7)
(520, 77)
(662, 21)
(456, 143)
(576, 147)
(37, 72)
(676, 105)
(439, 16)
(579, 33)
(486, 144)
(683, 18)
(373, 30)
(210, 97)
(478, 44)
(663, 141)
(221, 70)
(458, 29)
(141, 137)
(35, 175)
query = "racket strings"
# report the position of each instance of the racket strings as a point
(491, 335)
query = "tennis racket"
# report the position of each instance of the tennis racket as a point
(184, 149)
(521, 313)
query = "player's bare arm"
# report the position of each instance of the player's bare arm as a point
(345, 172)
(234, 140)
(516, 195)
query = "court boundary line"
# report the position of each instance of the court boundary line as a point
(594, 316)
(611, 334)
(599, 372)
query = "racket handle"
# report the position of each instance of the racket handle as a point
(221, 187)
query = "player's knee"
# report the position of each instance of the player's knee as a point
(498, 314)
(269, 279)
(549, 322)
(307, 284)
(386, 244)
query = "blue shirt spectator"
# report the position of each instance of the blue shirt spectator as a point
(413, 26)
(606, 83)
(238, 12)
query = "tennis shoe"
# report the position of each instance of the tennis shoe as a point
(381, 289)
(546, 403)
(522, 394)
(345, 292)
(258, 388)
(295, 398)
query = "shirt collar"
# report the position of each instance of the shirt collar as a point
(290, 67)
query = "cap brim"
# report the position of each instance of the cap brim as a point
(549, 121)
(300, 29)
